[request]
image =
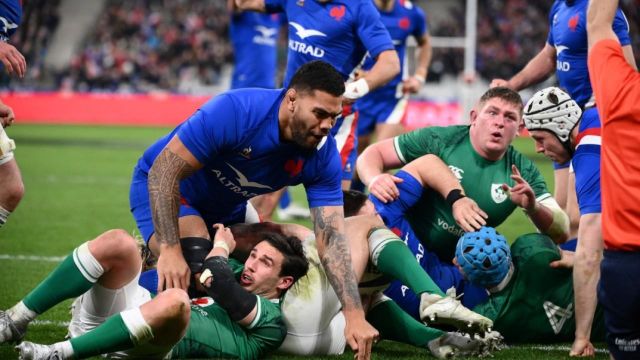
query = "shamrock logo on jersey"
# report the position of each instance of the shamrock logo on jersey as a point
(497, 193)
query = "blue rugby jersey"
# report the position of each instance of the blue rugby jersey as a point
(586, 163)
(339, 32)
(10, 17)
(235, 136)
(568, 34)
(404, 20)
(254, 37)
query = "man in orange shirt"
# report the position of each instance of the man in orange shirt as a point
(617, 91)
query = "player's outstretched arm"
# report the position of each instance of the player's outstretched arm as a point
(432, 172)
(586, 273)
(537, 69)
(253, 5)
(599, 21)
(13, 60)
(336, 259)
(371, 165)
(386, 67)
(546, 215)
(174, 163)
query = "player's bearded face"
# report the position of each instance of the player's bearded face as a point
(313, 118)
(549, 145)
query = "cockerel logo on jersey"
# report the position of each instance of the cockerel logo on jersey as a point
(265, 36)
(337, 12)
(573, 22)
(404, 23)
(293, 167)
(302, 47)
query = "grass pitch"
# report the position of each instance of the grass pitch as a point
(77, 186)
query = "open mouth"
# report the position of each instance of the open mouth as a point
(496, 135)
(245, 279)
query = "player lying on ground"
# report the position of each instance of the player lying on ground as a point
(525, 290)
(241, 319)
(311, 310)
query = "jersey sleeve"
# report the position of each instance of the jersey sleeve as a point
(322, 180)
(236, 267)
(621, 28)
(414, 144)
(410, 192)
(420, 21)
(586, 166)
(267, 330)
(211, 130)
(275, 6)
(371, 31)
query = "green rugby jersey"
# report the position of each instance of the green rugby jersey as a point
(431, 218)
(537, 305)
(212, 333)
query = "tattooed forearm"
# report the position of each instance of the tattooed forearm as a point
(335, 255)
(164, 194)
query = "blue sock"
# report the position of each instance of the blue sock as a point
(285, 200)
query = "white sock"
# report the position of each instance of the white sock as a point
(65, 348)
(20, 313)
(4, 215)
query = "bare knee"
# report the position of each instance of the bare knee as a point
(116, 247)
(12, 188)
(168, 315)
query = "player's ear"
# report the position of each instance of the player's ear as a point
(291, 97)
(284, 283)
(473, 115)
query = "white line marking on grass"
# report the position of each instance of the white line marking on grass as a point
(50, 322)
(32, 258)
(557, 348)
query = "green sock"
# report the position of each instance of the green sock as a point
(395, 324)
(111, 336)
(396, 260)
(65, 282)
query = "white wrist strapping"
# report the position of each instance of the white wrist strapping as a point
(221, 244)
(421, 78)
(357, 89)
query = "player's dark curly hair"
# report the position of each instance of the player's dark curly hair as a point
(353, 201)
(505, 94)
(295, 263)
(318, 75)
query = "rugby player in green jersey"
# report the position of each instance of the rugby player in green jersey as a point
(532, 300)
(481, 157)
(114, 315)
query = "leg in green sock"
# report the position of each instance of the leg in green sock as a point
(73, 277)
(110, 336)
(395, 324)
(392, 257)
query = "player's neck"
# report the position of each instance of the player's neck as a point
(385, 5)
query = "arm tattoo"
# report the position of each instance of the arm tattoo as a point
(337, 257)
(164, 194)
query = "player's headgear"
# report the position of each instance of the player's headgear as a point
(485, 256)
(553, 110)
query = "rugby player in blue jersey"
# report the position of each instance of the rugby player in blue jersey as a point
(254, 37)
(382, 110)
(564, 133)
(11, 186)
(341, 33)
(566, 52)
(238, 145)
